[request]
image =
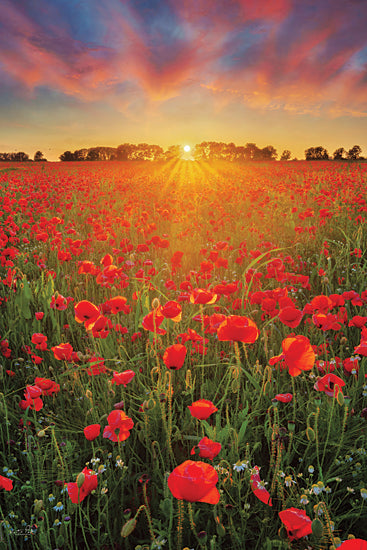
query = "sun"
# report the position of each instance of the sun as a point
(187, 148)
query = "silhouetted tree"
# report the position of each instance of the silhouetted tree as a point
(173, 152)
(268, 153)
(251, 151)
(339, 154)
(38, 156)
(316, 153)
(67, 156)
(354, 153)
(286, 155)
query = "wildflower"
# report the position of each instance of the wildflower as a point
(51, 497)
(63, 352)
(330, 384)
(303, 500)
(153, 320)
(208, 448)
(353, 544)
(297, 523)
(364, 493)
(58, 507)
(241, 465)
(92, 431)
(6, 483)
(311, 469)
(86, 312)
(118, 420)
(288, 481)
(194, 482)
(297, 354)
(78, 493)
(172, 310)
(123, 377)
(202, 409)
(284, 397)
(174, 356)
(201, 296)
(239, 329)
(258, 487)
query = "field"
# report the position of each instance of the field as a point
(183, 355)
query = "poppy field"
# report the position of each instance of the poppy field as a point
(183, 355)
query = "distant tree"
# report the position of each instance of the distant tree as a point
(67, 156)
(19, 157)
(173, 152)
(286, 155)
(316, 153)
(39, 157)
(268, 153)
(339, 154)
(354, 153)
(92, 154)
(123, 152)
(251, 151)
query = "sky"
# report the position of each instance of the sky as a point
(287, 73)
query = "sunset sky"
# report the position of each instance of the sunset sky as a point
(287, 73)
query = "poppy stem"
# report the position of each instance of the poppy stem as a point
(179, 523)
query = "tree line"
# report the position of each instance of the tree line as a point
(206, 150)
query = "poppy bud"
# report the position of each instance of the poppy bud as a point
(291, 426)
(166, 506)
(317, 528)
(155, 303)
(128, 528)
(60, 541)
(340, 398)
(41, 433)
(80, 480)
(310, 434)
(38, 506)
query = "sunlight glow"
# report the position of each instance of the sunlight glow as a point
(187, 148)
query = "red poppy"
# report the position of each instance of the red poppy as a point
(6, 483)
(290, 316)
(63, 352)
(123, 378)
(118, 303)
(258, 487)
(330, 384)
(321, 304)
(153, 320)
(77, 494)
(174, 356)
(92, 431)
(353, 544)
(357, 321)
(194, 482)
(297, 354)
(284, 397)
(118, 420)
(40, 340)
(86, 312)
(297, 523)
(237, 328)
(39, 315)
(47, 386)
(208, 448)
(172, 310)
(202, 409)
(201, 296)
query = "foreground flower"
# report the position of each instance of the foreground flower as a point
(297, 523)
(123, 377)
(118, 420)
(202, 409)
(86, 312)
(207, 448)
(239, 329)
(174, 356)
(6, 483)
(297, 353)
(194, 482)
(258, 487)
(354, 544)
(78, 494)
(329, 384)
(92, 431)
(284, 397)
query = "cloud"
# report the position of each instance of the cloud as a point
(297, 56)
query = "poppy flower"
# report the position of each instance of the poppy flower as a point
(39, 315)
(78, 494)
(284, 397)
(92, 431)
(353, 544)
(47, 386)
(118, 420)
(329, 384)
(202, 409)
(297, 354)
(172, 310)
(207, 448)
(6, 483)
(290, 316)
(174, 356)
(118, 303)
(201, 296)
(194, 482)
(153, 320)
(40, 340)
(123, 377)
(238, 328)
(297, 523)
(86, 312)
(63, 352)
(321, 304)
(258, 487)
